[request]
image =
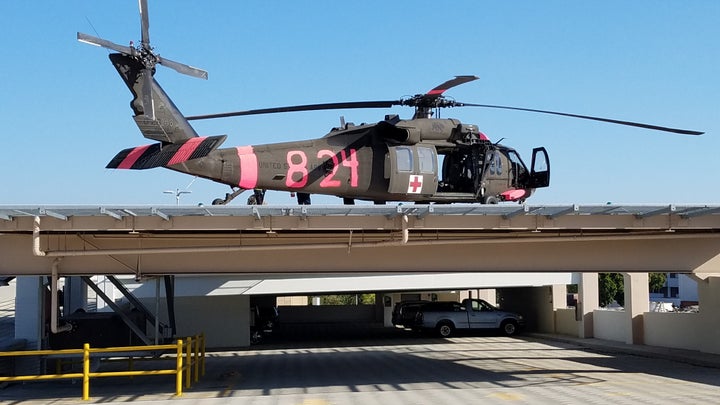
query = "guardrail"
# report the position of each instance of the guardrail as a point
(189, 358)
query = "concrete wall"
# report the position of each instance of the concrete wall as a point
(662, 329)
(610, 325)
(224, 319)
(565, 323)
(676, 330)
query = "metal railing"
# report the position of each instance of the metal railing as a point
(189, 356)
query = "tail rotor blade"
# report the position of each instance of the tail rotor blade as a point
(183, 68)
(89, 39)
(144, 23)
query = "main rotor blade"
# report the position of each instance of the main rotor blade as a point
(458, 80)
(307, 107)
(587, 117)
(183, 68)
(89, 39)
(144, 23)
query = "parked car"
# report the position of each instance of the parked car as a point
(445, 317)
(405, 313)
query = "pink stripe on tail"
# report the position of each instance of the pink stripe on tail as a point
(186, 150)
(132, 157)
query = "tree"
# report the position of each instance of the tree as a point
(347, 299)
(612, 286)
(657, 281)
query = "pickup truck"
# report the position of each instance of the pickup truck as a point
(446, 316)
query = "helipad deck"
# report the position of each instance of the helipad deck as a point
(360, 238)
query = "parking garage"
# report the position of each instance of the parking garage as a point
(222, 256)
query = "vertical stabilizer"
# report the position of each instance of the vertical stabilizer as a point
(166, 124)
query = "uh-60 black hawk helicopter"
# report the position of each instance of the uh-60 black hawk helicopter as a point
(422, 159)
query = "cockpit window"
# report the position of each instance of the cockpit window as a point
(514, 157)
(519, 171)
(516, 161)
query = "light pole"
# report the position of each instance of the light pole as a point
(177, 193)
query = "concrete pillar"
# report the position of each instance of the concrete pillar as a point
(559, 301)
(637, 302)
(708, 327)
(548, 300)
(588, 301)
(384, 301)
(75, 295)
(30, 315)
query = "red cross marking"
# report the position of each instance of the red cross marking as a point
(415, 184)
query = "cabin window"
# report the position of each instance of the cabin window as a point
(427, 160)
(495, 166)
(404, 159)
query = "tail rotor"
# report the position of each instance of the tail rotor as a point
(144, 54)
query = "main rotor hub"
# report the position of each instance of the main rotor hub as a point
(425, 103)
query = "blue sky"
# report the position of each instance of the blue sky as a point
(65, 112)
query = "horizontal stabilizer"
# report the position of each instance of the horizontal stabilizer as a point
(158, 154)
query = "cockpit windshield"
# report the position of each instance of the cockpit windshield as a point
(519, 170)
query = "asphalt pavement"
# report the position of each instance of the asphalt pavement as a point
(330, 365)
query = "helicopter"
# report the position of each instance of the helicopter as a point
(424, 159)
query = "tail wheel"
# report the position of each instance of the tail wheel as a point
(445, 329)
(509, 328)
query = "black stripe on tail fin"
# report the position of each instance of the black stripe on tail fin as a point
(158, 154)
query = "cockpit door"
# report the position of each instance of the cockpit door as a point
(412, 169)
(540, 169)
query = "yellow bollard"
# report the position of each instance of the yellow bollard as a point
(188, 362)
(179, 368)
(202, 354)
(86, 372)
(196, 368)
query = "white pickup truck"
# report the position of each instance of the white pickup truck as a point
(447, 316)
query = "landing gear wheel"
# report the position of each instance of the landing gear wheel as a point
(228, 197)
(490, 199)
